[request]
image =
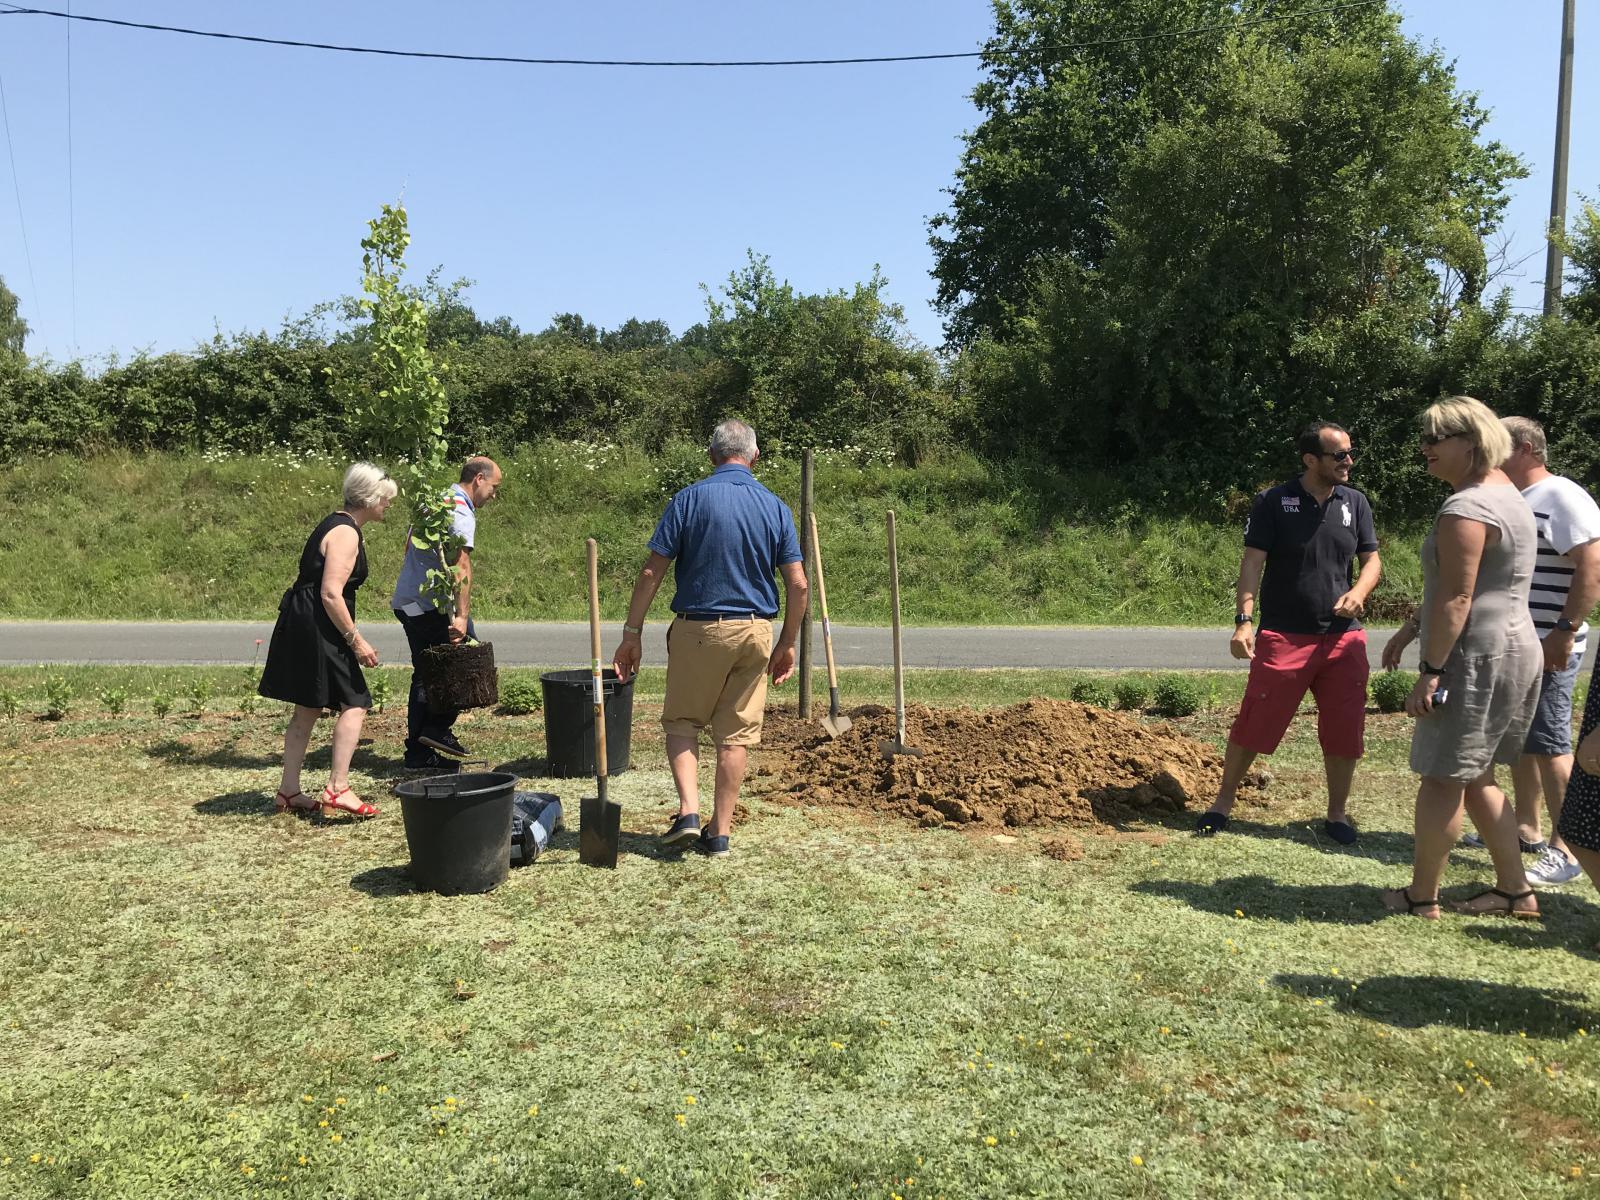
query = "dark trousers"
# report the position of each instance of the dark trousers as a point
(430, 629)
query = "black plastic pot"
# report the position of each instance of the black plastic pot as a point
(569, 722)
(458, 829)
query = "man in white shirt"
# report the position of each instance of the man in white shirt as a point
(429, 735)
(1566, 587)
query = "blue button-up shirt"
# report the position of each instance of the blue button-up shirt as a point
(728, 536)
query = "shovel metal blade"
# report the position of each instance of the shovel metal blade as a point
(599, 830)
(890, 748)
(836, 724)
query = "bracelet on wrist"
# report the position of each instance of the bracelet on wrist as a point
(1424, 668)
(350, 635)
(633, 629)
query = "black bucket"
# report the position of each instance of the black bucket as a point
(569, 722)
(458, 829)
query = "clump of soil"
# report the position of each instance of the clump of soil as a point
(1042, 762)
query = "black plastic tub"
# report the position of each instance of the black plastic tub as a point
(569, 722)
(458, 829)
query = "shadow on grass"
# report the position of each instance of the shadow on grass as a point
(1415, 1001)
(1385, 845)
(383, 882)
(1260, 896)
(180, 754)
(528, 767)
(256, 803)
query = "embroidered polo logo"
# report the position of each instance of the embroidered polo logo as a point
(1346, 508)
(1291, 504)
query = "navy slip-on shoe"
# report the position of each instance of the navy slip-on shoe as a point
(685, 827)
(1342, 832)
(713, 847)
(1210, 823)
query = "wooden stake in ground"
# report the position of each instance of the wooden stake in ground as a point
(599, 819)
(835, 722)
(898, 746)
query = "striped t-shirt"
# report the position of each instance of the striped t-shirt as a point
(1566, 516)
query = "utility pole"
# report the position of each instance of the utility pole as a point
(1554, 260)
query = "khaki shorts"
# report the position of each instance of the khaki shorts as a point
(717, 678)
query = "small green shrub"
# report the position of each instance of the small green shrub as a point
(200, 691)
(160, 703)
(521, 697)
(1132, 694)
(378, 688)
(247, 703)
(10, 703)
(115, 699)
(57, 697)
(1176, 696)
(1093, 692)
(1390, 689)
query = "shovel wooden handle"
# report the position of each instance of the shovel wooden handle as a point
(595, 668)
(822, 603)
(894, 610)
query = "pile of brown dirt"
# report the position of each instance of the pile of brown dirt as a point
(1041, 762)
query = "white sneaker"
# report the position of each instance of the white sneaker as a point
(1553, 869)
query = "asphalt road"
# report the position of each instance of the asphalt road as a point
(567, 644)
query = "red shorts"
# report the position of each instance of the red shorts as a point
(1332, 667)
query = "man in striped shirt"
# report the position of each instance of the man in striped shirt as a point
(1566, 587)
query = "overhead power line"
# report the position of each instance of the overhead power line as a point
(72, 196)
(14, 10)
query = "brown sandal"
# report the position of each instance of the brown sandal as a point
(1510, 910)
(1404, 895)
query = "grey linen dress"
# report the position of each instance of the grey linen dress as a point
(1493, 671)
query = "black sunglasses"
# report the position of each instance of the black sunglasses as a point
(1433, 439)
(1337, 455)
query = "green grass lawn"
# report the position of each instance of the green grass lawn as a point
(203, 999)
(169, 536)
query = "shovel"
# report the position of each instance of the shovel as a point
(835, 722)
(889, 749)
(599, 819)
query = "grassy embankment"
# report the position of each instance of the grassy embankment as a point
(209, 537)
(204, 999)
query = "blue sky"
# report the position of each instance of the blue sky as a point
(224, 185)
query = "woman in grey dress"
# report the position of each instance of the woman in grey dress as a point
(1481, 659)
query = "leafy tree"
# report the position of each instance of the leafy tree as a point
(811, 370)
(571, 327)
(1172, 252)
(634, 334)
(13, 329)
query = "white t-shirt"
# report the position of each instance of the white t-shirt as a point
(414, 568)
(1566, 516)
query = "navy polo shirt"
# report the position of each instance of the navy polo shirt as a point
(728, 535)
(1311, 550)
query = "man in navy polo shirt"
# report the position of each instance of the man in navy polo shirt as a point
(1300, 542)
(730, 538)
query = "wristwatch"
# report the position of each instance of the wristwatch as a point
(1428, 670)
(1565, 625)
(626, 628)
(1241, 619)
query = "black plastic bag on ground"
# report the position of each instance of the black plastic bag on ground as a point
(535, 819)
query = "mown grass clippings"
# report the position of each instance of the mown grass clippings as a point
(193, 986)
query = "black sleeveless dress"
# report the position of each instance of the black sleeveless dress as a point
(308, 661)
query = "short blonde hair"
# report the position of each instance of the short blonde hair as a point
(1473, 420)
(366, 486)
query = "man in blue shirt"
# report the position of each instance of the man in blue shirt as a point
(730, 538)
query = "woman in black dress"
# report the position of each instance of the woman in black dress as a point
(316, 655)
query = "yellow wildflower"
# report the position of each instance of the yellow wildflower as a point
(533, 1110)
(336, 1138)
(1135, 1159)
(991, 1140)
(680, 1118)
(690, 1100)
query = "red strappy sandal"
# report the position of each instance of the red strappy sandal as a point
(284, 802)
(361, 810)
